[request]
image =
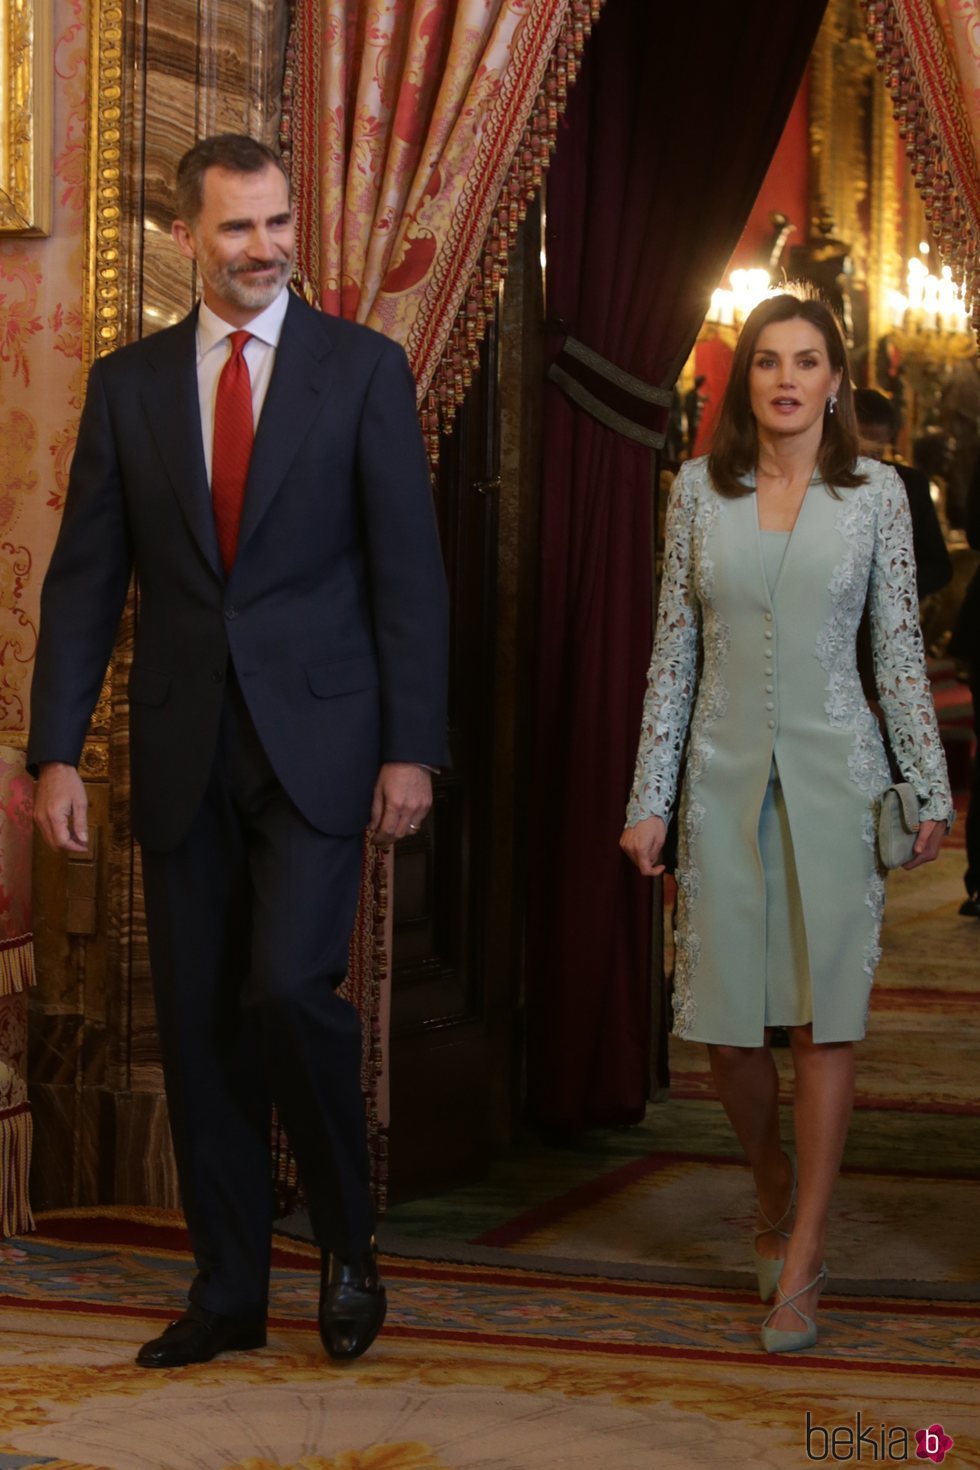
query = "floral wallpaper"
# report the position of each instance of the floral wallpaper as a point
(41, 372)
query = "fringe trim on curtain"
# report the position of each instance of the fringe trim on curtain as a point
(460, 355)
(16, 964)
(300, 107)
(16, 1137)
(913, 57)
(369, 955)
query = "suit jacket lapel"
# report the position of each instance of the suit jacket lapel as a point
(172, 407)
(297, 392)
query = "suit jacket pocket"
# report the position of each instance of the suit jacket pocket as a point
(345, 677)
(148, 686)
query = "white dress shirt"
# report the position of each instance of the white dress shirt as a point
(214, 350)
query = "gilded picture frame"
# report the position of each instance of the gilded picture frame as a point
(26, 102)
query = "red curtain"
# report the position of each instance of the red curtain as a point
(667, 138)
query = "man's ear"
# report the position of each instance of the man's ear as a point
(183, 239)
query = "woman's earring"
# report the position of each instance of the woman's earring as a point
(831, 402)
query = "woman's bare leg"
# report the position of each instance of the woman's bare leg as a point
(748, 1086)
(823, 1097)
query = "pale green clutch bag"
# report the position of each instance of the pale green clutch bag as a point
(898, 825)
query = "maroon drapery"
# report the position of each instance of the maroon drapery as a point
(665, 144)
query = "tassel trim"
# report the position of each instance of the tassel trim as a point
(460, 356)
(16, 964)
(913, 57)
(16, 1138)
(456, 360)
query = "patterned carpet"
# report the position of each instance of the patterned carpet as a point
(485, 1368)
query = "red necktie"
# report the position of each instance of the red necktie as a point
(232, 447)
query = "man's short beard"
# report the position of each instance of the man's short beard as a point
(230, 284)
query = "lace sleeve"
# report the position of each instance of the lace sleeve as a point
(673, 668)
(899, 660)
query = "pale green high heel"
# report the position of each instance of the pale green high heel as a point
(768, 1268)
(775, 1339)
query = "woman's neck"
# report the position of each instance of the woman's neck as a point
(789, 457)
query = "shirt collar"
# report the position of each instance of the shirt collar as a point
(267, 326)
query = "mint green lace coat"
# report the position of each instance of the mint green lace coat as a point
(779, 679)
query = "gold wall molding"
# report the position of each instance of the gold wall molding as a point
(857, 181)
(885, 254)
(842, 79)
(26, 103)
(102, 321)
(102, 294)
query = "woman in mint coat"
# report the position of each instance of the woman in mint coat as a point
(775, 543)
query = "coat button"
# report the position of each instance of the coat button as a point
(769, 688)
(768, 617)
(772, 724)
(770, 705)
(768, 632)
(231, 612)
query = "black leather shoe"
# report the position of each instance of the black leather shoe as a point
(352, 1305)
(971, 906)
(198, 1336)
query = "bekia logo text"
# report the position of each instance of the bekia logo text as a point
(880, 1442)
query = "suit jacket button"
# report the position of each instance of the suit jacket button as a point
(231, 612)
(218, 676)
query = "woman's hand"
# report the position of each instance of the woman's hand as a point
(644, 843)
(927, 844)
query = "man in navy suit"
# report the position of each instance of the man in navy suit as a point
(288, 690)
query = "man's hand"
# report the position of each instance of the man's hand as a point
(643, 845)
(61, 808)
(402, 798)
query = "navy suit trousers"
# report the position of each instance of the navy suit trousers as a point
(249, 922)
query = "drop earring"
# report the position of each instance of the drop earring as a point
(831, 402)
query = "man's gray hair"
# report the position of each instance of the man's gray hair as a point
(233, 151)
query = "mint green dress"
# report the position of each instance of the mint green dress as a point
(754, 673)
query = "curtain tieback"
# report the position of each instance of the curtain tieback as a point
(612, 395)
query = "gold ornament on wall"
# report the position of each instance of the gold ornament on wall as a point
(26, 101)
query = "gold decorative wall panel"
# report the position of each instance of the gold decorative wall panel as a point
(859, 185)
(25, 116)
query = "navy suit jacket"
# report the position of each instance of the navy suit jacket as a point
(333, 618)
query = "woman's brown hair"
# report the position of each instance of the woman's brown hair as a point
(735, 445)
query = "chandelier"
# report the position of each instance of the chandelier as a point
(730, 305)
(931, 315)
